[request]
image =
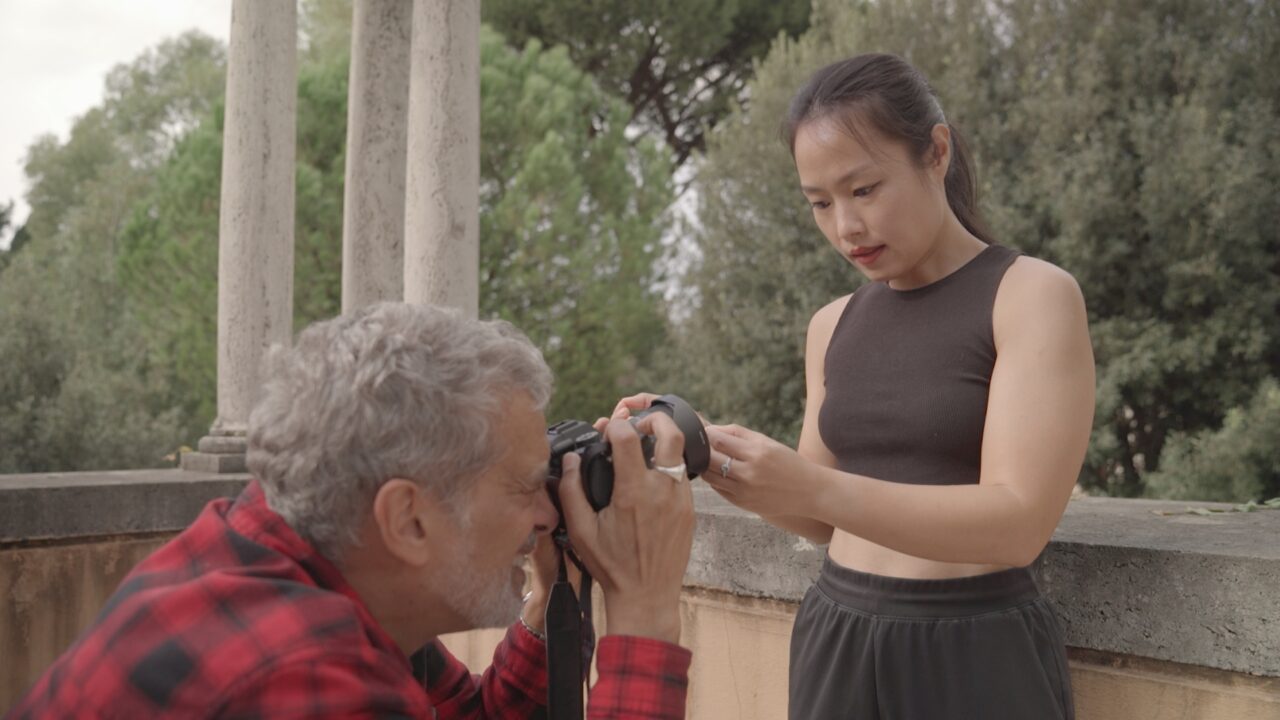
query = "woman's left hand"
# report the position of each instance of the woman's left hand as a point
(764, 476)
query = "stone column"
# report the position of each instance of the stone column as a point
(377, 112)
(442, 224)
(255, 227)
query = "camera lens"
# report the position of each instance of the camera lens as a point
(580, 437)
(697, 450)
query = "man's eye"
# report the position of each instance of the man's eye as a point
(819, 205)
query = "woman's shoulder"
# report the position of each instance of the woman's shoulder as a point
(1030, 278)
(1035, 290)
(828, 315)
(823, 323)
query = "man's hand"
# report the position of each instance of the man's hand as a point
(637, 548)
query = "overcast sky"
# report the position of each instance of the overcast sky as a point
(54, 57)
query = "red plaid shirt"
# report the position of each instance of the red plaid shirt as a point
(238, 617)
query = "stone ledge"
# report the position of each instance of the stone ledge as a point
(1192, 589)
(1199, 590)
(59, 506)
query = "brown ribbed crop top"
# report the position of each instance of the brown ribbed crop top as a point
(907, 373)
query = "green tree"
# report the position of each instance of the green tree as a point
(20, 235)
(169, 253)
(679, 64)
(571, 217)
(75, 385)
(1238, 461)
(1134, 146)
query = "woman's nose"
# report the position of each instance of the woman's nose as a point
(849, 226)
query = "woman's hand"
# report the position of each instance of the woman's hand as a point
(764, 476)
(632, 403)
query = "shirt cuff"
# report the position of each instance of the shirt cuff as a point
(521, 660)
(648, 677)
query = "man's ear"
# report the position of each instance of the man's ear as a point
(408, 518)
(940, 155)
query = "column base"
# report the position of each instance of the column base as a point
(221, 454)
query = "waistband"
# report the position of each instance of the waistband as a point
(910, 597)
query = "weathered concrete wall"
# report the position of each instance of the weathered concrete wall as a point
(739, 672)
(49, 594)
(66, 542)
(1109, 686)
(64, 506)
(1125, 578)
(1168, 615)
(1138, 584)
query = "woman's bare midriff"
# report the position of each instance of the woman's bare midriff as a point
(858, 554)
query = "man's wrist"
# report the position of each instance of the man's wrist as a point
(659, 621)
(533, 616)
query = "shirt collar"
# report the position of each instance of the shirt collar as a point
(250, 516)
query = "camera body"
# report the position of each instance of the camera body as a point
(580, 437)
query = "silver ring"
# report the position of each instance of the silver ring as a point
(724, 469)
(679, 473)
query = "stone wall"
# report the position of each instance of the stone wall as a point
(66, 542)
(1168, 614)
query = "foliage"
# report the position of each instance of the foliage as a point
(1240, 460)
(1134, 146)
(76, 389)
(172, 235)
(20, 235)
(570, 221)
(678, 63)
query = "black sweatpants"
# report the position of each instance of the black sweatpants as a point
(870, 647)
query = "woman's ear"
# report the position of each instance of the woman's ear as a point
(408, 519)
(940, 153)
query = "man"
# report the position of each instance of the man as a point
(400, 457)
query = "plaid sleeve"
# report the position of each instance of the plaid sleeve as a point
(322, 683)
(514, 685)
(639, 678)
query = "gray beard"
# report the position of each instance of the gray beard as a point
(484, 601)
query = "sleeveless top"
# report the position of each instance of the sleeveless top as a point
(907, 374)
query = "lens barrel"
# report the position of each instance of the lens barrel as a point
(597, 461)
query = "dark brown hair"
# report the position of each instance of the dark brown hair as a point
(888, 94)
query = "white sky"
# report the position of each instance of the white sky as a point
(55, 55)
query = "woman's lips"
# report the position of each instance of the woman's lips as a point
(866, 256)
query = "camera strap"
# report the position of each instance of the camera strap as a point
(570, 640)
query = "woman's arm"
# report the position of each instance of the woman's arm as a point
(811, 447)
(1039, 413)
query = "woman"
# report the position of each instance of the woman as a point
(949, 403)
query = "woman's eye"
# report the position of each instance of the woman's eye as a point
(865, 191)
(819, 205)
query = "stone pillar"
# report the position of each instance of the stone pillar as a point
(442, 224)
(255, 227)
(377, 112)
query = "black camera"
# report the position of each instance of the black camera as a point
(580, 437)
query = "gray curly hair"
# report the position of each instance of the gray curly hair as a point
(393, 390)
